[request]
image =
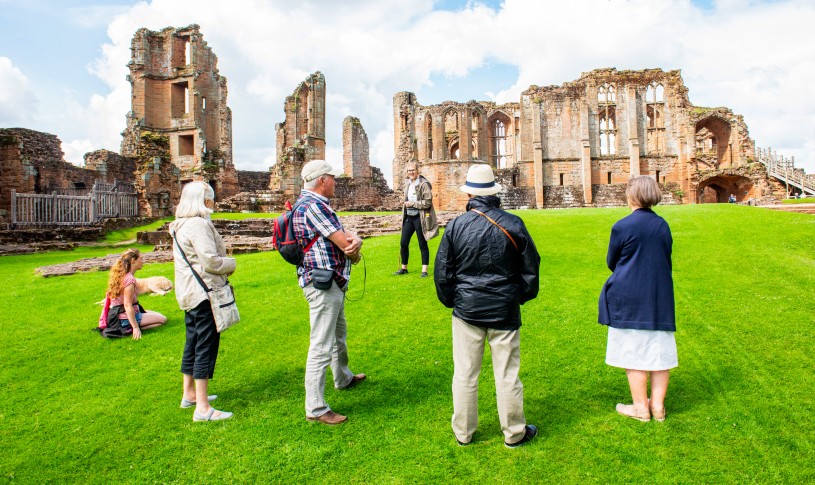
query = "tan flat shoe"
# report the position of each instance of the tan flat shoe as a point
(658, 414)
(631, 411)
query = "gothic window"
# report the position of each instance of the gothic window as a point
(454, 152)
(608, 129)
(655, 117)
(607, 118)
(499, 144)
(476, 125)
(429, 131)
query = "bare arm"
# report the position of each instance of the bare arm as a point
(129, 297)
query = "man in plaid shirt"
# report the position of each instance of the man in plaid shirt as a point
(333, 249)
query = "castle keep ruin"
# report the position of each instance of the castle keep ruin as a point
(579, 143)
(179, 127)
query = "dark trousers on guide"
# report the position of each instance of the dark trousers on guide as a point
(413, 224)
(201, 348)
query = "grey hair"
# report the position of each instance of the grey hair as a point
(643, 191)
(312, 183)
(193, 200)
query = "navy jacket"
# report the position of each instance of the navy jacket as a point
(639, 293)
(480, 274)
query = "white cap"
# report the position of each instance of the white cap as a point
(315, 169)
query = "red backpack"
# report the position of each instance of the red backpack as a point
(284, 240)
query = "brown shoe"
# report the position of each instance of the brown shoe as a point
(330, 418)
(631, 411)
(354, 381)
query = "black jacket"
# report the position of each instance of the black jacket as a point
(478, 271)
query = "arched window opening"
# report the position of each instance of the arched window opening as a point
(499, 144)
(454, 151)
(608, 130)
(476, 125)
(655, 113)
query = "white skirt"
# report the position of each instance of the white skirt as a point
(641, 349)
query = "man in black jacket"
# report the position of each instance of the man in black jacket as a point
(486, 268)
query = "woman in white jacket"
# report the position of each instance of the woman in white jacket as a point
(204, 248)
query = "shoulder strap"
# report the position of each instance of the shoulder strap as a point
(183, 255)
(499, 227)
(316, 236)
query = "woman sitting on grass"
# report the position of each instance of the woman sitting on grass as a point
(637, 302)
(126, 316)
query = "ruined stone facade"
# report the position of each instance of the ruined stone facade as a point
(33, 162)
(301, 137)
(178, 95)
(579, 143)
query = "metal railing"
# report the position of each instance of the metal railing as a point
(103, 201)
(784, 170)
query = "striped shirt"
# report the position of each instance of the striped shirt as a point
(314, 216)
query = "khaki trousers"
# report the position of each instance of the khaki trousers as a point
(468, 352)
(326, 346)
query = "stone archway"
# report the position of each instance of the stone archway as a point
(719, 187)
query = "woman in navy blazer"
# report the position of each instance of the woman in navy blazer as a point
(637, 302)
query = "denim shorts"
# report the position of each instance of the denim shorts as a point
(126, 323)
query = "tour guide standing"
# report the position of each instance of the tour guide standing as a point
(334, 249)
(418, 216)
(486, 268)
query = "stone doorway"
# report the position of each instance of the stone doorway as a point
(717, 190)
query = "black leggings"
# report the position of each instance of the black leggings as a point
(413, 224)
(201, 348)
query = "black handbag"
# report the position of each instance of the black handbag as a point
(322, 278)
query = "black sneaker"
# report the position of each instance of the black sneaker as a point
(461, 443)
(531, 432)
(424, 274)
(401, 271)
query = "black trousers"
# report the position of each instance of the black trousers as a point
(413, 224)
(201, 348)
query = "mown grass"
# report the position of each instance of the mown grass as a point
(78, 408)
(808, 200)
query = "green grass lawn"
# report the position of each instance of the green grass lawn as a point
(808, 200)
(78, 408)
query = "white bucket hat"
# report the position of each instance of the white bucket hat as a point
(480, 181)
(317, 168)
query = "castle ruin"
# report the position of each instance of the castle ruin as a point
(179, 127)
(578, 144)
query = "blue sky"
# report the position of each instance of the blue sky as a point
(62, 63)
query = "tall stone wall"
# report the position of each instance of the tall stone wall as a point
(355, 149)
(32, 161)
(178, 93)
(301, 137)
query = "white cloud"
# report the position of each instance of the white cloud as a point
(17, 100)
(753, 57)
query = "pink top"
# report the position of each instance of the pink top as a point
(119, 300)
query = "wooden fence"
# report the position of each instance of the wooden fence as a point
(104, 200)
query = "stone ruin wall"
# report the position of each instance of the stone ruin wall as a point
(355, 149)
(565, 150)
(33, 162)
(301, 137)
(178, 94)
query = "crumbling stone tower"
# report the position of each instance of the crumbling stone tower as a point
(179, 106)
(355, 149)
(301, 138)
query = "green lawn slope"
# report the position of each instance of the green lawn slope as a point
(78, 408)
